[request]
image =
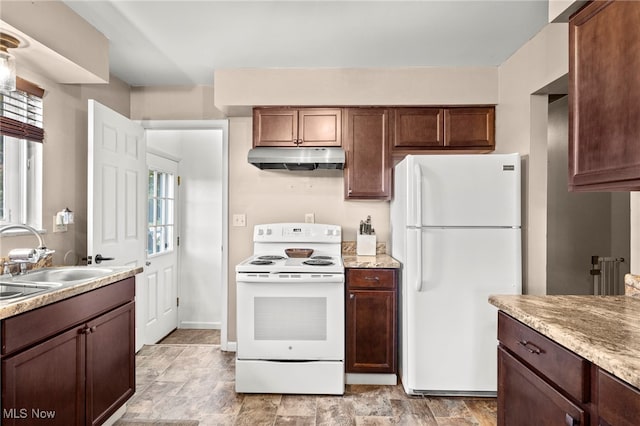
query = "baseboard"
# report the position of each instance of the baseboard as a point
(229, 347)
(116, 416)
(371, 379)
(200, 325)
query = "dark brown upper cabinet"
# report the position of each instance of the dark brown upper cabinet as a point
(367, 171)
(447, 129)
(604, 89)
(291, 127)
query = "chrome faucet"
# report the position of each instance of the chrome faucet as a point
(22, 256)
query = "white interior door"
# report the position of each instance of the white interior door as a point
(161, 288)
(116, 190)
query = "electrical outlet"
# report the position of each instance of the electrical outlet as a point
(58, 227)
(309, 218)
(239, 220)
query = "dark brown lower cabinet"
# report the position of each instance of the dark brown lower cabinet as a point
(543, 383)
(47, 379)
(618, 402)
(82, 373)
(371, 324)
(525, 399)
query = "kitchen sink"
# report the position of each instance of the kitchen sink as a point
(58, 276)
(11, 292)
(17, 287)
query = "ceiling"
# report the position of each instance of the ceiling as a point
(163, 42)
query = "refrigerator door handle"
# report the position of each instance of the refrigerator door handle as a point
(419, 259)
(417, 178)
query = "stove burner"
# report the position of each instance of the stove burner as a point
(271, 257)
(318, 262)
(261, 262)
(322, 257)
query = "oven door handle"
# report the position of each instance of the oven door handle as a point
(289, 278)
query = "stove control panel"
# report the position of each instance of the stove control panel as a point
(297, 232)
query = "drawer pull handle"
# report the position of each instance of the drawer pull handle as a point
(570, 421)
(530, 347)
(372, 278)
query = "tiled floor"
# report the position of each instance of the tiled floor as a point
(197, 382)
(192, 337)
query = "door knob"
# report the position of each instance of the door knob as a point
(98, 259)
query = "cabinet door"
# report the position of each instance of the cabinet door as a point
(469, 127)
(367, 171)
(618, 402)
(417, 128)
(46, 383)
(370, 331)
(524, 399)
(320, 127)
(275, 127)
(604, 88)
(110, 362)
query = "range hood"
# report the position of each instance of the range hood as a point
(301, 158)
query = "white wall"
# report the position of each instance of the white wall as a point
(237, 88)
(521, 126)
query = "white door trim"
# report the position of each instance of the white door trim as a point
(204, 125)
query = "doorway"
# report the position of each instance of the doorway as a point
(579, 224)
(200, 149)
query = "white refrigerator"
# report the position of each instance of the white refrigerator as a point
(455, 227)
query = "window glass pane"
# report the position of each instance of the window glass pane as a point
(150, 241)
(161, 185)
(150, 210)
(159, 240)
(161, 216)
(20, 181)
(169, 214)
(152, 182)
(160, 212)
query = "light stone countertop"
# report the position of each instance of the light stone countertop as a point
(380, 260)
(11, 308)
(377, 261)
(602, 329)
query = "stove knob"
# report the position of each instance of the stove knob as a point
(268, 231)
(328, 232)
(260, 231)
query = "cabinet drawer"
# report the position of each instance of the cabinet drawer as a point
(618, 402)
(33, 326)
(371, 278)
(569, 371)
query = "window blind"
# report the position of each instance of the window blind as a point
(21, 112)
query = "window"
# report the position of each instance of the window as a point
(161, 212)
(21, 181)
(21, 134)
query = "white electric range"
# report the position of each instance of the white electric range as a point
(290, 312)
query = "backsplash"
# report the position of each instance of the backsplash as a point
(15, 268)
(349, 248)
